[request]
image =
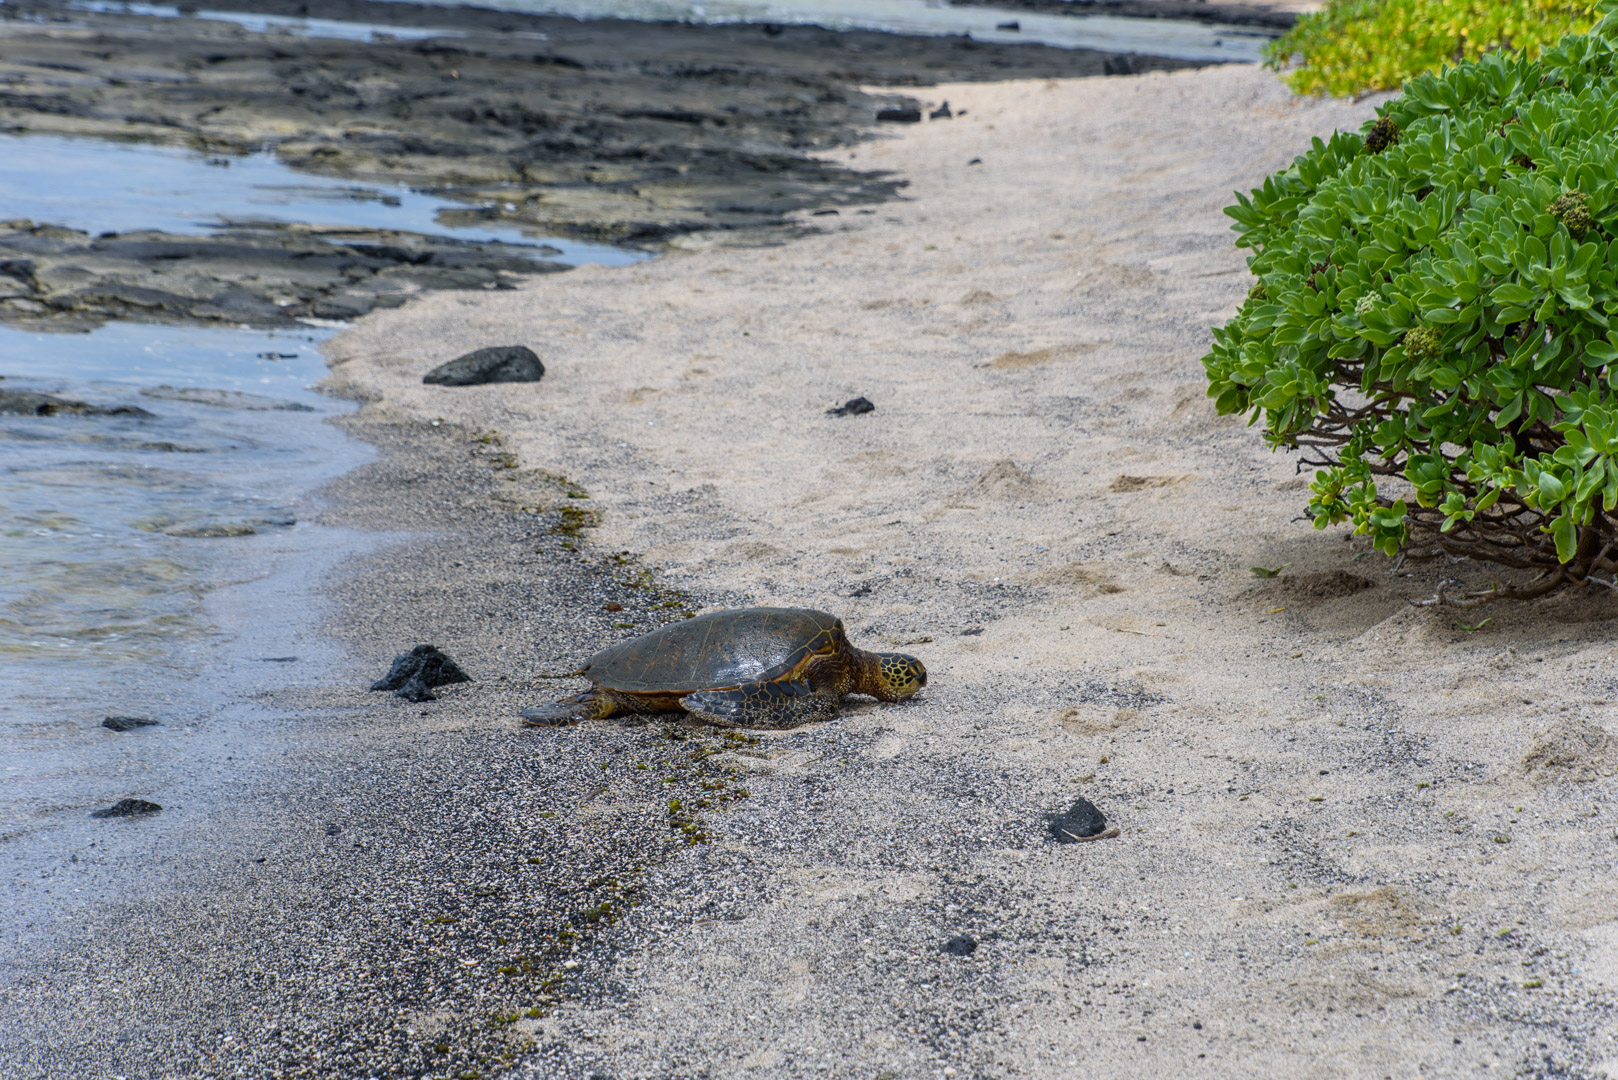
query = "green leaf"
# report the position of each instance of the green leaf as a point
(1567, 540)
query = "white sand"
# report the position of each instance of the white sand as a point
(1043, 464)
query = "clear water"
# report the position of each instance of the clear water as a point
(163, 567)
(103, 519)
(66, 181)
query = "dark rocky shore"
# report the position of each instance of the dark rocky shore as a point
(615, 131)
(1255, 15)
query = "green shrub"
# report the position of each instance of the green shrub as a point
(1433, 322)
(1357, 45)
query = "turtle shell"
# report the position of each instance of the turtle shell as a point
(717, 651)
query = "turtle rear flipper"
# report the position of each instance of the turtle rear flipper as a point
(762, 705)
(589, 705)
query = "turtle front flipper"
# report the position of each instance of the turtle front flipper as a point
(762, 705)
(590, 705)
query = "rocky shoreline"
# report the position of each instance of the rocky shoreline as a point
(613, 131)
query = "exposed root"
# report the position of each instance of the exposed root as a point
(1547, 582)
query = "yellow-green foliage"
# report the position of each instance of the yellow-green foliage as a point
(1358, 45)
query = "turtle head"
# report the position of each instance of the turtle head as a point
(893, 676)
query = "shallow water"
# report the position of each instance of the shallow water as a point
(66, 181)
(104, 520)
(162, 566)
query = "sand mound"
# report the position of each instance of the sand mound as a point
(1573, 750)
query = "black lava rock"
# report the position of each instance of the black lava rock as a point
(127, 723)
(856, 407)
(899, 116)
(1081, 822)
(961, 945)
(415, 673)
(128, 808)
(25, 403)
(1013, 26)
(497, 364)
(940, 113)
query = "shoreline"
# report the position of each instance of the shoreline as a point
(1042, 493)
(640, 135)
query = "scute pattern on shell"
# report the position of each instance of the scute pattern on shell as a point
(717, 651)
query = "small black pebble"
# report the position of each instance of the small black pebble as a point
(333, 830)
(127, 723)
(128, 808)
(1081, 821)
(975, 161)
(1012, 26)
(822, 213)
(940, 113)
(415, 673)
(899, 116)
(855, 407)
(1140, 1038)
(961, 945)
(1197, 1024)
(863, 590)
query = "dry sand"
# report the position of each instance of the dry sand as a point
(1356, 838)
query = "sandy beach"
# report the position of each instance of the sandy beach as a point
(1357, 837)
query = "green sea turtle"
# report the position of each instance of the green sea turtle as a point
(750, 667)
